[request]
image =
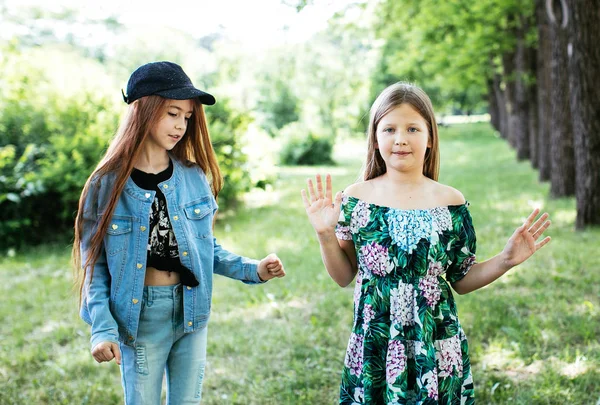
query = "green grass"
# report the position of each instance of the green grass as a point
(533, 334)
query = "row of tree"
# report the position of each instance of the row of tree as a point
(535, 62)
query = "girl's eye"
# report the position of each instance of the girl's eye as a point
(389, 130)
(172, 114)
(412, 129)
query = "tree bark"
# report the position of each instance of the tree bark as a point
(501, 103)
(544, 56)
(493, 105)
(533, 112)
(562, 155)
(521, 112)
(508, 64)
(584, 76)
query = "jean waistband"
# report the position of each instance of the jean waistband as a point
(152, 292)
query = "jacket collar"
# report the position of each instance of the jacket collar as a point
(167, 186)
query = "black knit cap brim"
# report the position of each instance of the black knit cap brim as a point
(187, 93)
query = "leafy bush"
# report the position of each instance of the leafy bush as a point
(58, 112)
(302, 146)
(226, 131)
(55, 120)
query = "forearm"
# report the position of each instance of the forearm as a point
(234, 266)
(339, 266)
(482, 274)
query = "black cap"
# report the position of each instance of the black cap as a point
(165, 79)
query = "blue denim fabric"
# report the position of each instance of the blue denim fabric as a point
(111, 301)
(162, 346)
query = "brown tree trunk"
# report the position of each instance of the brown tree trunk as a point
(584, 76)
(533, 113)
(562, 155)
(544, 56)
(493, 105)
(508, 64)
(521, 112)
(501, 103)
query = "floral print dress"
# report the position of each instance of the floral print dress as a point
(407, 345)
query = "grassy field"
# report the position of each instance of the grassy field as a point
(533, 334)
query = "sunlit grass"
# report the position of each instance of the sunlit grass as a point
(533, 334)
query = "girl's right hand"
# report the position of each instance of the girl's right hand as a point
(323, 213)
(106, 351)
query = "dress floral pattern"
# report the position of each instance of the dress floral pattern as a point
(407, 345)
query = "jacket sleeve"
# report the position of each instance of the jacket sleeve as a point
(233, 266)
(95, 307)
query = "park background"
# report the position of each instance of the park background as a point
(512, 82)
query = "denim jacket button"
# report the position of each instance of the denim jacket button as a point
(139, 265)
(135, 301)
(190, 323)
(189, 288)
(175, 217)
(185, 253)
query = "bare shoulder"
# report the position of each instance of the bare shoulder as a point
(359, 190)
(449, 195)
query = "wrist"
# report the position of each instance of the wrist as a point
(505, 262)
(326, 235)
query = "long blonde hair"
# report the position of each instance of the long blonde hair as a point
(142, 116)
(390, 98)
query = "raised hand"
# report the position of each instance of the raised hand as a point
(323, 212)
(523, 242)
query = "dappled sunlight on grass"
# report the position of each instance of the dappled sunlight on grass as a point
(564, 218)
(269, 310)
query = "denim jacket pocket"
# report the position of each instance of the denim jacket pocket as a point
(198, 213)
(117, 234)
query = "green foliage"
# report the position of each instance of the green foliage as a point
(279, 106)
(54, 124)
(447, 48)
(302, 146)
(226, 130)
(58, 112)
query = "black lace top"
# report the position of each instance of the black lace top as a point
(163, 253)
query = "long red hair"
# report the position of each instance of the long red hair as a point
(142, 116)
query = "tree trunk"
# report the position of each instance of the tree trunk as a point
(562, 155)
(533, 113)
(493, 105)
(501, 103)
(584, 76)
(544, 56)
(508, 64)
(521, 112)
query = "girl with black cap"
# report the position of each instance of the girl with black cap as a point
(144, 249)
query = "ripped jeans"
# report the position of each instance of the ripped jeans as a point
(162, 346)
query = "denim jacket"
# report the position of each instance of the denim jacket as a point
(112, 299)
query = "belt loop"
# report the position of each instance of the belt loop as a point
(150, 295)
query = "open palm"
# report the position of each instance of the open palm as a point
(523, 242)
(323, 212)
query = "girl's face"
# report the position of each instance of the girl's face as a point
(172, 125)
(403, 139)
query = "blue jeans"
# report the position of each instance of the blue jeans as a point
(163, 346)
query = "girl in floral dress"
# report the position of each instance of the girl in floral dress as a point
(407, 239)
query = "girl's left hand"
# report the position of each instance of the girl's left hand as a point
(270, 267)
(522, 244)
